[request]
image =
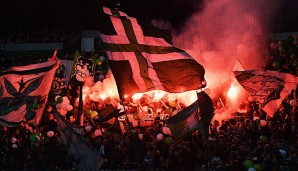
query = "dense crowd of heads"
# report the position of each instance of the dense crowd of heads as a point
(36, 35)
(254, 141)
(283, 55)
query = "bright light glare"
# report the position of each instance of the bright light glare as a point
(103, 96)
(158, 94)
(232, 93)
(137, 96)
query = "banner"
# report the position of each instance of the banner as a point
(82, 154)
(268, 88)
(142, 57)
(24, 91)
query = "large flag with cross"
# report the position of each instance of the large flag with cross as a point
(142, 57)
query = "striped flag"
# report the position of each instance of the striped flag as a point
(197, 116)
(142, 57)
(268, 88)
(82, 154)
(24, 91)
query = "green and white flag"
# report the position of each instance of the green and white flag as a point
(24, 91)
(268, 88)
(196, 116)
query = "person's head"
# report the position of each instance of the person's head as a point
(253, 124)
(98, 140)
(177, 153)
(17, 132)
(149, 153)
(135, 136)
(272, 45)
(215, 123)
(203, 168)
(230, 128)
(171, 152)
(4, 128)
(72, 119)
(247, 122)
(242, 127)
(216, 161)
(51, 116)
(49, 108)
(271, 124)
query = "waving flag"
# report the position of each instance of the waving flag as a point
(268, 88)
(197, 116)
(58, 87)
(142, 57)
(24, 91)
(82, 154)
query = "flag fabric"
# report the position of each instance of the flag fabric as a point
(58, 87)
(24, 91)
(82, 68)
(82, 154)
(268, 88)
(238, 66)
(108, 113)
(142, 57)
(68, 68)
(116, 126)
(197, 116)
(77, 54)
(207, 113)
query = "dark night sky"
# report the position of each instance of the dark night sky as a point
(76, 14)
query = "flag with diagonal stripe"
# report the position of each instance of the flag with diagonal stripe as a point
(82, 154)
(142, 57)
(197, 116)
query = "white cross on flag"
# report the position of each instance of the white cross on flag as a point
(142, 57)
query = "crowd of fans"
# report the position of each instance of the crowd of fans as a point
(22, 59)
(37, 35)
(255, 141)
(283, 55)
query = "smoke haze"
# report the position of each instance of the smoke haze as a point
(226, 31)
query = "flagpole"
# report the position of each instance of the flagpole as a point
(121, 102)
(80, 117)
(222, 104)
(205, 135)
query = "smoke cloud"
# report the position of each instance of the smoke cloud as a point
(224, 32)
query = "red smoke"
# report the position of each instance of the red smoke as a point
(224, 32)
